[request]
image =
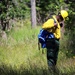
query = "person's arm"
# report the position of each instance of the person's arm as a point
(57, 33)
(49, 24)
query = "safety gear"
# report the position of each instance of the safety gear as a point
(49, 26)
(64, 13)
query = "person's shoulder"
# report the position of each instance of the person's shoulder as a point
(51, 19)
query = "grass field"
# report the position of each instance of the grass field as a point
(19, 55)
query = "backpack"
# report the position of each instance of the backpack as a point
(43, 36)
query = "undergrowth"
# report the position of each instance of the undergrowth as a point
(19, 54)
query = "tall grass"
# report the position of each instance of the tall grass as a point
(19, 55)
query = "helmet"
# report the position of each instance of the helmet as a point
(64, 13)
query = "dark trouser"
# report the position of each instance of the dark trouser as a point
(52, 51)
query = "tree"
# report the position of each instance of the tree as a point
(33, 14)
(47, 8)
(3, 13)
(10, 9)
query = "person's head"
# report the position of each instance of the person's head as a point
(62, 15)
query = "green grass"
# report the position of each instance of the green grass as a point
(19, 55)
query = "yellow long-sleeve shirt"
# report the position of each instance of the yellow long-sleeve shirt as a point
(49, 24)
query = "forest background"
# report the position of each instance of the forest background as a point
(19, 54)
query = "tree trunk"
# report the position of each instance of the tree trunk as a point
(33, 14)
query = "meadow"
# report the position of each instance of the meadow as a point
(19, 54)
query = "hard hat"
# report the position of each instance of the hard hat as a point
(64, 13)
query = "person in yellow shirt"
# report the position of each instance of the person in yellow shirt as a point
(53, 25)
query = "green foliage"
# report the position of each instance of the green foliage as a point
(70, 29)
(22, 41)
(44, 8)
(14, 9)
(47, 8)
(11, 9)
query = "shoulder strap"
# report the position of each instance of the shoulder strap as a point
(54, 20)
